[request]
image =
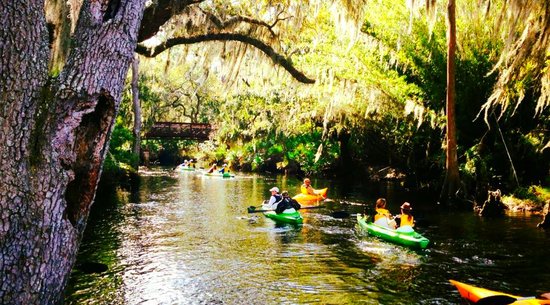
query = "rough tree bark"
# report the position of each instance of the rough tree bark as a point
(53, 138)
(452, 177)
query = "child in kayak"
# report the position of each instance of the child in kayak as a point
(287, 204)
(407, 220)
(383, 216)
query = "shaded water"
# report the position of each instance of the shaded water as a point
(187, 239)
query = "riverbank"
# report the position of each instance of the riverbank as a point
(531, 199)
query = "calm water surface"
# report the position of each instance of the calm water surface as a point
(188, 239)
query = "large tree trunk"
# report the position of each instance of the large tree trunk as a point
(53, 138)
(452, 178)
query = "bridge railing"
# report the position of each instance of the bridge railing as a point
(175, 130)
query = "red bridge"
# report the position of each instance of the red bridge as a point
(184, 131)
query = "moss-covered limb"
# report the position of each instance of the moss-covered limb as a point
(277, 58)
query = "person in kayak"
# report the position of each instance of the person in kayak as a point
(287, 204)
(306, 188)
(406, 219)
(212, 168)
(223, 169)
(383, 216)
(274, 199)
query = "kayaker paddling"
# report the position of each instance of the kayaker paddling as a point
(276, 208)
(383, 216)
(306, 188)
(406, 222)
(212, 169)
(274, 199)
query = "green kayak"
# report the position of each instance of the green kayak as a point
(224, 175)
(294, 217)
(410, 239)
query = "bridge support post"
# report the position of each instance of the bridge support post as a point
(146, 157)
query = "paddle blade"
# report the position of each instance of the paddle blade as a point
(496, 300)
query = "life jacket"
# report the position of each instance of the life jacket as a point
(304, 189)
(407, 220)
(278, 198)
(284, 204)
(381, 213)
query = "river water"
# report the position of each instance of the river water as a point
(183, 238)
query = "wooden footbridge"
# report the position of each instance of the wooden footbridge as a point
(183, 131)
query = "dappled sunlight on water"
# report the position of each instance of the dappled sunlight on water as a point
(188, 239)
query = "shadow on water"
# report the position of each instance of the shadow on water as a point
(186, 239)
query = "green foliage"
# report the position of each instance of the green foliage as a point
(535, 193)
(379, 96)
(120, 149)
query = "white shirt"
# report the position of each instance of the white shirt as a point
(272, 203)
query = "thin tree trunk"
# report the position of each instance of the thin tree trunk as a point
(53, 138)
(452, 178)
(137, 108)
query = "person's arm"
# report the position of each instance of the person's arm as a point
(271, 202)
(310, 190)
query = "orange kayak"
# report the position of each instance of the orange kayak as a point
(306, 199)
(474, 294)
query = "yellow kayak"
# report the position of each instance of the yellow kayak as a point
(306, 199)
(475, 294)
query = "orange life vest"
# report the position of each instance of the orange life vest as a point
(407, 220)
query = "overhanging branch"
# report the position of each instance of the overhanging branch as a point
(266, 49)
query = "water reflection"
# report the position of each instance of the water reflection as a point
(187, 239)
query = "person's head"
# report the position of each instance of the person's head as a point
(225, 164)
(274, 190)
(285, 194)
(381, 203)
(406, 208)
(307, 181)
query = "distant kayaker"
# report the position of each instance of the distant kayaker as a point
(287, 204)
(274, 199)
(383, 216)
(223, 169)
(306, 188)
(212, 168)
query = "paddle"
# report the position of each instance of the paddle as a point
(252, 209)
(502, 300)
